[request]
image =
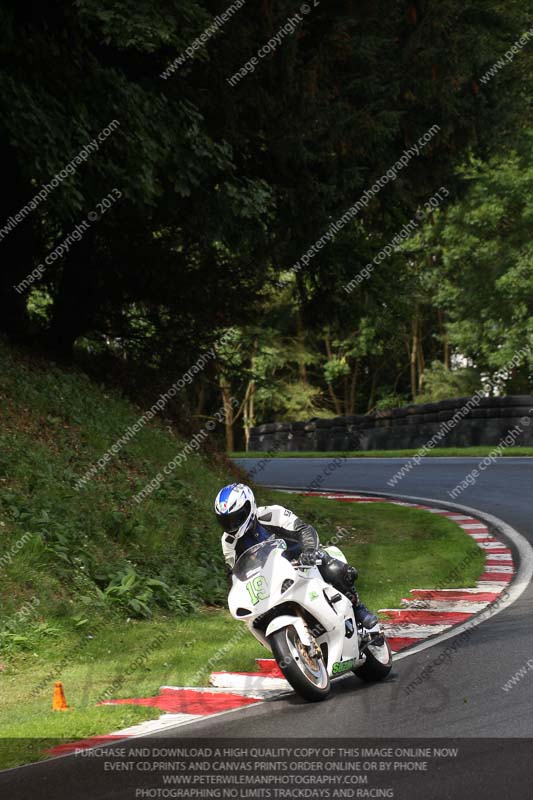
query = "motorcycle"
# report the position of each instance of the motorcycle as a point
(307, 624)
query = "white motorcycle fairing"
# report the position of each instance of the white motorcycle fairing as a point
(269, 593)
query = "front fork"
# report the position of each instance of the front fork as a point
(375, 636)
(314, 647)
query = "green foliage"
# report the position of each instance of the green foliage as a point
(187, 216)
(27, 637)
(298, 401)
(95, 550)
(226, 188)
(391, 400)
(482, 268)
(439, 383)
(137, 594)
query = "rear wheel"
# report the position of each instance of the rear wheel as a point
(378, 662)
(304, 669)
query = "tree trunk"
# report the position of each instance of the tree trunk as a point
(414, 353)
(225, 389)
(248, 406)
(421, 362)
(446, 356)
(372, 398)
(346, 387)
(248, 418)
(200, 399)
(331, 390)
(300, 335)
(335, 400)
(353, 385)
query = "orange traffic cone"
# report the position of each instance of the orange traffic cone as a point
(59, 703)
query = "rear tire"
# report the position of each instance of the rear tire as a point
(377, 665)
(308, 677)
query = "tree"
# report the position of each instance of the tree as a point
(185, 216)
(482, 262)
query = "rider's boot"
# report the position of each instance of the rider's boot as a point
(362, 614)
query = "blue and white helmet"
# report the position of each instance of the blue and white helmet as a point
(236, 510)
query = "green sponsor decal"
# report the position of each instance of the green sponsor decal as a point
(342, 666)
(313, 596)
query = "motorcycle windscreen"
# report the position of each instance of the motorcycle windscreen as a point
(256, 557)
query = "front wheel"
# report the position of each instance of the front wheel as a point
(378, 662)
(306, 673)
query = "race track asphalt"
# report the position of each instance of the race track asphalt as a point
(461, 699)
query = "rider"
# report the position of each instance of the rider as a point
(245, 525)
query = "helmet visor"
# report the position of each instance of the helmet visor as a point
(232, 522)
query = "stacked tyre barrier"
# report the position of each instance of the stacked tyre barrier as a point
(463, 422)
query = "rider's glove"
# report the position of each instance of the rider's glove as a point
(308, 558)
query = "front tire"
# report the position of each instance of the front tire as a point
(378, 662)
(307, 675)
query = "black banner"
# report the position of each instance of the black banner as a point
(291, 769)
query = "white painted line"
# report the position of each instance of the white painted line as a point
(416, 610)
(232, 680)
(260, 694)
(459, 606)
(474, 527)
(499, 568)
(411, 630)
(491, 545)
(493, 586)
(471, 590)
(154, 725)
(498, 557)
